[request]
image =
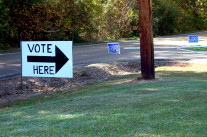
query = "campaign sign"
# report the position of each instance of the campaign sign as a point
(193, 39)
(47, 59)
(113, 48)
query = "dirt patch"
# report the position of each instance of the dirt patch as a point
(180, 65)
(11, 89)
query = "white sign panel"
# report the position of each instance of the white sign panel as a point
(47, 59)
(113, 48)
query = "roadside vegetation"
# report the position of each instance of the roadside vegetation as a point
(94, 20)
(9, 50)
(199, 48)
(175, 104)
(18, 49)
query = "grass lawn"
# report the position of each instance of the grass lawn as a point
(106, 41)
(175, 107)
(199, 48)
(10, 50)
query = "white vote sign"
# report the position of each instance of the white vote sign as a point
(47, 59)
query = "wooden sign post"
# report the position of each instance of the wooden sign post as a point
(146, 39)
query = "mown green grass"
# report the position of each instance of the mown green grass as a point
(10, 50)
(199, 48)
(106, 41)
(175, 107)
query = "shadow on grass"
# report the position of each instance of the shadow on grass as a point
(83, 75)
(171, 108)
(181, 74)
(10, 89)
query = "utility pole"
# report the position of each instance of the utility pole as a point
(146, 39)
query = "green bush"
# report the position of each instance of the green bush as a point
(165, 18)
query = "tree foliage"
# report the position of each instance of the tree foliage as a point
(175, 16)
(93, 20)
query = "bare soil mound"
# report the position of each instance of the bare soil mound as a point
(12, 89)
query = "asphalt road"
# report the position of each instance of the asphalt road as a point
(10, 64)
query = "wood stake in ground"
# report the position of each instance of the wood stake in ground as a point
(146, 39)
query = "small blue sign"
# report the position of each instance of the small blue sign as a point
(193, 39)
(113, 48)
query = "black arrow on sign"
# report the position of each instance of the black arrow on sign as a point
(59, 59)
